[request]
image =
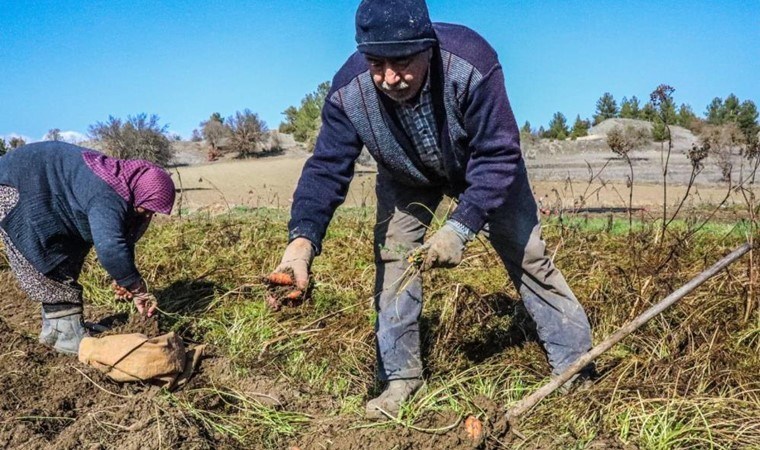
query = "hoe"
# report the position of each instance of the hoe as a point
(530, 401)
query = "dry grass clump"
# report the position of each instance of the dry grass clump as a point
(688, 379)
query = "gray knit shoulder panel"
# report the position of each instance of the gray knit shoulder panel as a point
(362, 107)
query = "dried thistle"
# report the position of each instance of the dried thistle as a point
(697, 154)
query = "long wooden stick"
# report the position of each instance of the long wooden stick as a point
(530, 401)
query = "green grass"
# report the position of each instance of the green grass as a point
(688, 379)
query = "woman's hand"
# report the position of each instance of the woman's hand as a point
(120, 293)
(144, 301)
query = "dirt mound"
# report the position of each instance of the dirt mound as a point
(682, 137)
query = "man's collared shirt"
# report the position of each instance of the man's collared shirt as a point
(418, 122)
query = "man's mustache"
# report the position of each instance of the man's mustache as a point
(398, 87)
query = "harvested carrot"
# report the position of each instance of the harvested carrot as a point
(474, 428)
(280, 279)
(293, 295)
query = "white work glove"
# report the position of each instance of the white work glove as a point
(289, 282)
(297, 257)
(445, 247)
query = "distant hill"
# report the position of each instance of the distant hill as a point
(596, 141)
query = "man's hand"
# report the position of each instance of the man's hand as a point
(290, 280)
(444, 248)
(298, 257)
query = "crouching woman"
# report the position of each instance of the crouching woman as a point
(57, 200)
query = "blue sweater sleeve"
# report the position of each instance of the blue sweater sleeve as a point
(108, 223)
(494, 151)
(326, 176)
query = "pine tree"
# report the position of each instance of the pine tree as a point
(686, 116)
(715, 112)
(648, 112)
(731, 107)
(747, 121)
(305, 121)
(606, 108)
(558, 127)
(580, 128)
(630, 109)
(635, 108)
(526, 129)
(659, 130)
(626, 110)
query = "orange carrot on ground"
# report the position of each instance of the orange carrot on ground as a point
(474, 428)
(294, 294)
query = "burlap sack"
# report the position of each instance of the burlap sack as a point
(135, 357)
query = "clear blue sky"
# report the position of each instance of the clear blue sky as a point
(69, 64)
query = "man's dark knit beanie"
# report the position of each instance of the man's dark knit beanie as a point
(393, 28)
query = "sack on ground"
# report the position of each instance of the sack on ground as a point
(135, 357)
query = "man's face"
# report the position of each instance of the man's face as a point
(400, 78)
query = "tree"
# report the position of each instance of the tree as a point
(625, 109)
(664, 105)
(648, 112)
(746, 119)
(16, 142)
(139, 137)
(606, 108)
(731, 108)
(715, 111)
(630, 109)
(196, 136)
(686, 116)
(732, 111)
(659, 130)
(214, 132)
(526, 134)
(558, 127)
(54, 134)
(304, 122)
(247, 132)
(720, 112)
(526, 129)
(3, 147)
(580, 128)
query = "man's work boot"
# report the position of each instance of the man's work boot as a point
(581, 381)
(389, 402)
(63, 331)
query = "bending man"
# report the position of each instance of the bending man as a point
(429, 103)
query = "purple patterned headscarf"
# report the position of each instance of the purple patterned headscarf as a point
(140, 183)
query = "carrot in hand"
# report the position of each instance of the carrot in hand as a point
(281, 279)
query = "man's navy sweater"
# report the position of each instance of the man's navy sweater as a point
(477, 132)
(63, 209)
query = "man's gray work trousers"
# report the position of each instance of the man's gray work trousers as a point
(403, 215)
